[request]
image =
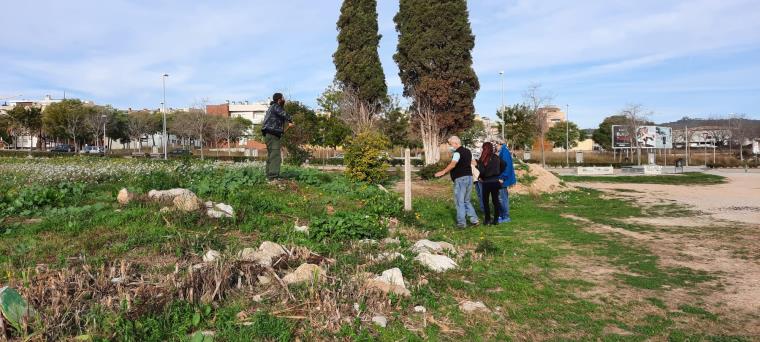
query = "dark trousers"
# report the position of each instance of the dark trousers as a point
(274, 157)
(491, 190)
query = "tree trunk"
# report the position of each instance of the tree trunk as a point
(543, 158)
(430, 143)
(201, 138)
(229, 149)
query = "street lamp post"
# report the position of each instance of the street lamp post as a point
(104, 117)
(163, 110)
(567, 135)
(501, 109)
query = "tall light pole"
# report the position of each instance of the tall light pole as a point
(163, 110)
(501, 109)
(567, 135)
(105, 118)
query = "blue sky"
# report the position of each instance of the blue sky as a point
(699, 58)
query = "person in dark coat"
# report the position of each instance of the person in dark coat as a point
(490, 166)
(272, 129)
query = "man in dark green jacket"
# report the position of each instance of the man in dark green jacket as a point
(272, 129)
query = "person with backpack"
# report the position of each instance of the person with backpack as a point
(272, 129)
(490, 166)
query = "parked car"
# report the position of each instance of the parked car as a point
(63, 148)
(96, 150)
(89, 149)
(180, 152)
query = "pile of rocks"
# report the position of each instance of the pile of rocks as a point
(429, 255)
(267, 255)
(179, 199)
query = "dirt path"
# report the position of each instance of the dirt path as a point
(737, 200)
(723, 239)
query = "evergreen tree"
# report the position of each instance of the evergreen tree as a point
(435, 63)
(357, 62)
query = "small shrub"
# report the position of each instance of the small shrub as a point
(307, 176)
(347, 226)
(296, 155)
(487, 247)
(365, 158)
(428, 171)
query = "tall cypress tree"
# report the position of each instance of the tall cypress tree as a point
(357, 62)
(435, 64)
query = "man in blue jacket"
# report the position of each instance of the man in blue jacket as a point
(507, 179)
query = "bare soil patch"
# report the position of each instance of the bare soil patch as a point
(737, 200)
(735, 295)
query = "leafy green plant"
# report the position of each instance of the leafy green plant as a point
(365, 158)
(159, 180)
(487, 247)
(428, 171)
(38, 197)
(307, 176)
(222, 184)
(347, 226)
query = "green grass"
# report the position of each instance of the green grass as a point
(687, 178)
(510, 267)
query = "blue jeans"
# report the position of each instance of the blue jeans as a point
(462, 195)
(479, 190)
(504, 201)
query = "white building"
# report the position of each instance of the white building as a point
(25, 141)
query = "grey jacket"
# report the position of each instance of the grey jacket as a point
(274, 121)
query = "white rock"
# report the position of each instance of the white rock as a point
(433, 247)
(301, 229)
(264, 280)
(247, 253)
(257, 298)
(392, 276)
(391, 241)
(380, 320)
(420, 308)
(390, 281)
(357, 308)
(389, 256)
(264, 255)
(187, 202)
(118, 280)
(304, 273)
(219, 210)
(437, 263)
(124, 196)
(468, 306)
(211, 256)
(167, 195)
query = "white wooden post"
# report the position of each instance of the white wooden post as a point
(407, 180)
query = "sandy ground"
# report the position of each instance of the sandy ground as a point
(723, 239)
(737, 200)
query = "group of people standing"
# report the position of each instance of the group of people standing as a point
(492, 173)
